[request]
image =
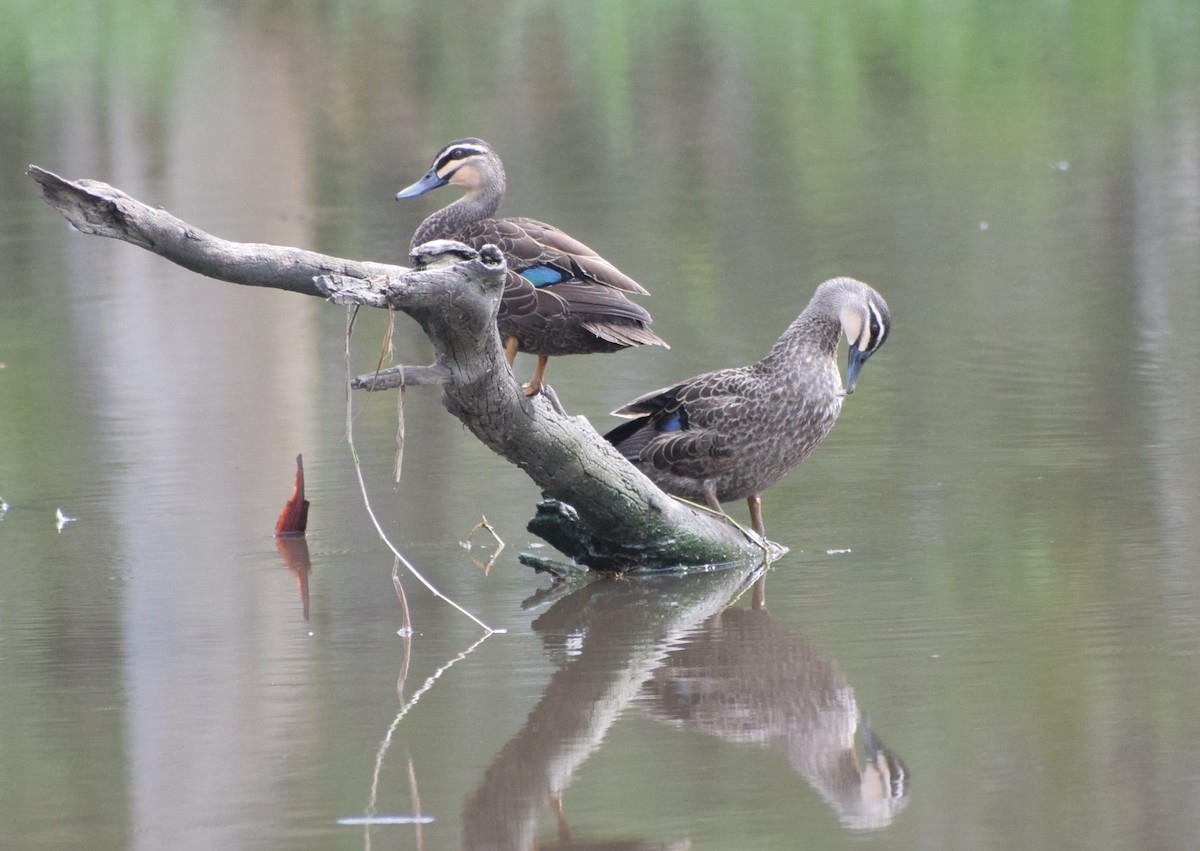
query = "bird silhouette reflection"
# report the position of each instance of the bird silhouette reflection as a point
(680, 649)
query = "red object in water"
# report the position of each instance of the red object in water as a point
(293, 520)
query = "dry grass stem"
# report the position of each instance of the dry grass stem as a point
(362, 486)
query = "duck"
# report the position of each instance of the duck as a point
(560, 297)
(733, 433)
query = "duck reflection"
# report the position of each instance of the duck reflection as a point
(743, 677)
(677, 648)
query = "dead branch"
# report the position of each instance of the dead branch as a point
(600, 510)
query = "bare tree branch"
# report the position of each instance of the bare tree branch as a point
(600, 511)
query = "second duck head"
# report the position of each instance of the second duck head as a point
(470, 163)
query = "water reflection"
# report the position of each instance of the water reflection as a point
(294, 552)
(743, 677)
(679, 650)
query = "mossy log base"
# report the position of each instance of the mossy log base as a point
(599, 510)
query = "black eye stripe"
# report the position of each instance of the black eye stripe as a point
(458, 152)
(877, 329)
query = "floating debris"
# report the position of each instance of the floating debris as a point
(62, 520)
(466, 545)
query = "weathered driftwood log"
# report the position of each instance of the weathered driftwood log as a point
(600, 511)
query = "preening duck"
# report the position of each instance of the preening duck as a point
(733, 433)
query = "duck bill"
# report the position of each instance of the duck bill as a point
(431, 180)
(854, 364)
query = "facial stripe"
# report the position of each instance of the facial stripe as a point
(877, 329)
(453, 157)
(874, 333)
(852, 319)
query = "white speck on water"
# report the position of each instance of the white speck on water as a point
(837, 552)
(62, 519)
(359, 820)
(983, 225)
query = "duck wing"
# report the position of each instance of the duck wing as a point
(689, 429)
(545, 255)
(604, 312)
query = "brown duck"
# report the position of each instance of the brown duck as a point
(560, 297)
(733, 433)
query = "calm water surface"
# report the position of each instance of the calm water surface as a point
(991, 593)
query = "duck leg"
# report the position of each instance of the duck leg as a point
(756, 521)
(560, 820)
(758, 597)
(710, 496)
(534, 386)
